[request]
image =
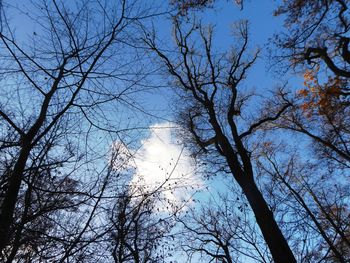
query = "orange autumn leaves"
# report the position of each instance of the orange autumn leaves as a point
(319, 98)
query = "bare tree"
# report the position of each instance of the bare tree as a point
(210, 86)
(56, 84)
(138, 232)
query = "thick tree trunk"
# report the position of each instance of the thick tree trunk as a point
(243, 174)
(273, 236)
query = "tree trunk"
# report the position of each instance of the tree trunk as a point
(243, 174)
(9, 202)
(318, 225)
(279, 248)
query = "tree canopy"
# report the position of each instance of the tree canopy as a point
(137, 131)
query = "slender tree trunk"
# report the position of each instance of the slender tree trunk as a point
(17, 236)
(9, 202)
(273, 236)
(227, 254)
(301, 201)
(328, 217)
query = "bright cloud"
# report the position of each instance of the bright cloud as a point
(163, 164)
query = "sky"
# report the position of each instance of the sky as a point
(159, 156)
(157, 147)
(262, 26)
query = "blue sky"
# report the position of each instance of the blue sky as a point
(262, 26)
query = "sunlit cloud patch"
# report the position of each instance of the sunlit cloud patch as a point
(164, 166)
